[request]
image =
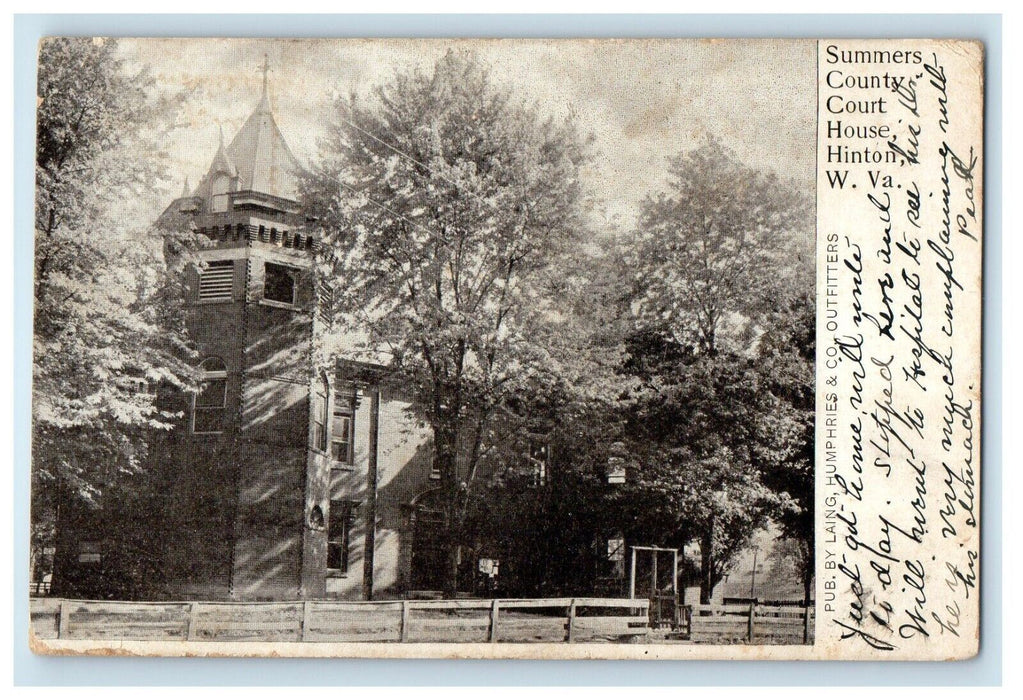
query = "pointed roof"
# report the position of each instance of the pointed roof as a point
(222, 163)
(261, 155)
(258, 155)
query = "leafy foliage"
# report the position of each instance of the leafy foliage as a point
(715, 254)
(693, 368)
(785, 357)
(444, 200)
(694, 436)
(108, 323)
(462, 256)
(716, 248)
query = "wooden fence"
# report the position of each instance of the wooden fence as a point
(750, 624)
(541, 620)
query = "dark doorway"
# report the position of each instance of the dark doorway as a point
(429, 555)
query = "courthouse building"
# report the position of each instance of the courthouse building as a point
(285, 478)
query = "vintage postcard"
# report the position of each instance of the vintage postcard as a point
(507, 348)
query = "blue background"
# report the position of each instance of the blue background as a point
(985, 669)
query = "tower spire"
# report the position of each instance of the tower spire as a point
(186, 191)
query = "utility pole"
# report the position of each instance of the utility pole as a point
(753, 575)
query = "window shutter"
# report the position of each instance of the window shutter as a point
(216, 282)
(326, 302)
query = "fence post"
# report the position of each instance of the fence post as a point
(749, 627)
(806, 624)
(306, 614)
(493, 620)
(404, 620)
(571, 621)
(190, 632)
(632, 575)
(64, 624)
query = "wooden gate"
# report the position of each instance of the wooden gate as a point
(657, 581)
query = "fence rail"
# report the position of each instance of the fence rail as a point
(532, 620)
(751, 624)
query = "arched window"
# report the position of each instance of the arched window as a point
(279, 284)
(209, 410)
(316, 521)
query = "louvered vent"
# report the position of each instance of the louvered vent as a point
(215, 282)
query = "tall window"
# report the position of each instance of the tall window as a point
(339, 535)
(320, 418)
(216, 281)
(219, 189)
(616, 460)
(279, 284)
(342, 432)
(539, 458)
(616, 555)
(210, 407)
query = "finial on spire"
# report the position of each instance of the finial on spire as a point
(221, 127)
(186, 191)
(264, 100)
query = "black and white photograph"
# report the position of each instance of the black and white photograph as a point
(424, 341)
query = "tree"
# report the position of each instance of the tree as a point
(107, 325)
(714, 254)
(716, 248)
(443, 200)
(694, 438)
(786, 356)
(550, 534)
(553, 539)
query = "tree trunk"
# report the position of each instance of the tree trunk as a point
(445, 440)
(808, 569)
(706, 565)
(451, 580)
